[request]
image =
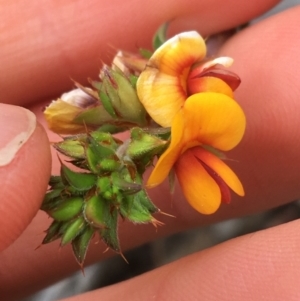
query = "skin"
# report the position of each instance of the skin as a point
(43, 46)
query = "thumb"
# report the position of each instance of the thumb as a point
(25, 164)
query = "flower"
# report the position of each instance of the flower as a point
(64, 114)
(179, 88)
(178, 69)
(202, 175)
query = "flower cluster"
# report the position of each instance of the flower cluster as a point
(177, 105)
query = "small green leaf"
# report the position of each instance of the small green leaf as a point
(160, 36)
(53, 232)
(80, 244)
(50, 196)
(143, 198)
(51, 204)
(111, 91)
(134, 211)
(93, 117)
(107, 104)
(109, 234)
(55, 182)
(79, 181)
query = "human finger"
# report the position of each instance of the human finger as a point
(43, 46)
(24, 170)
(261, 266)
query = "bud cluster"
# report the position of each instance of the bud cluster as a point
(107, 186)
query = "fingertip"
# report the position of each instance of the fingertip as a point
(25, 164)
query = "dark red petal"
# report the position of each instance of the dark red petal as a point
(230, 78)
(225, 192)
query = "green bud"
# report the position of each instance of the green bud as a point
(109, 164)
(131, 109)
(67, 209)
(70, 147)
(95, 210)
(120, 97)
(138, 208)
(72, 230)
(143, 144)
(108, 195)
(105, 139)
(103, 184)
(97, 152)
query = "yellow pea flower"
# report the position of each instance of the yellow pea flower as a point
(179, 88)
(206, 119)
(177, 70)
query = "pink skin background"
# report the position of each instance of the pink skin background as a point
(43, 46)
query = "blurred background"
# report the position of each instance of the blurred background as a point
(150, 256)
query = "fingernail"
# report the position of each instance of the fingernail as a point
(16, 126)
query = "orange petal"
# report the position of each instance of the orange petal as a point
(161, 87)
(169, 157)
(228, 176)
(208, 84)
(213, 119)
(199, 188)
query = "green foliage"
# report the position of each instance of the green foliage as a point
(160, 36)
(83, 203)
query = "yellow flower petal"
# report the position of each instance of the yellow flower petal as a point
(161, 87)
(215, 163)
(169, 157)
(60, 115)
(178, 53)
(199, 188)
(161, 95)
(213, 119)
